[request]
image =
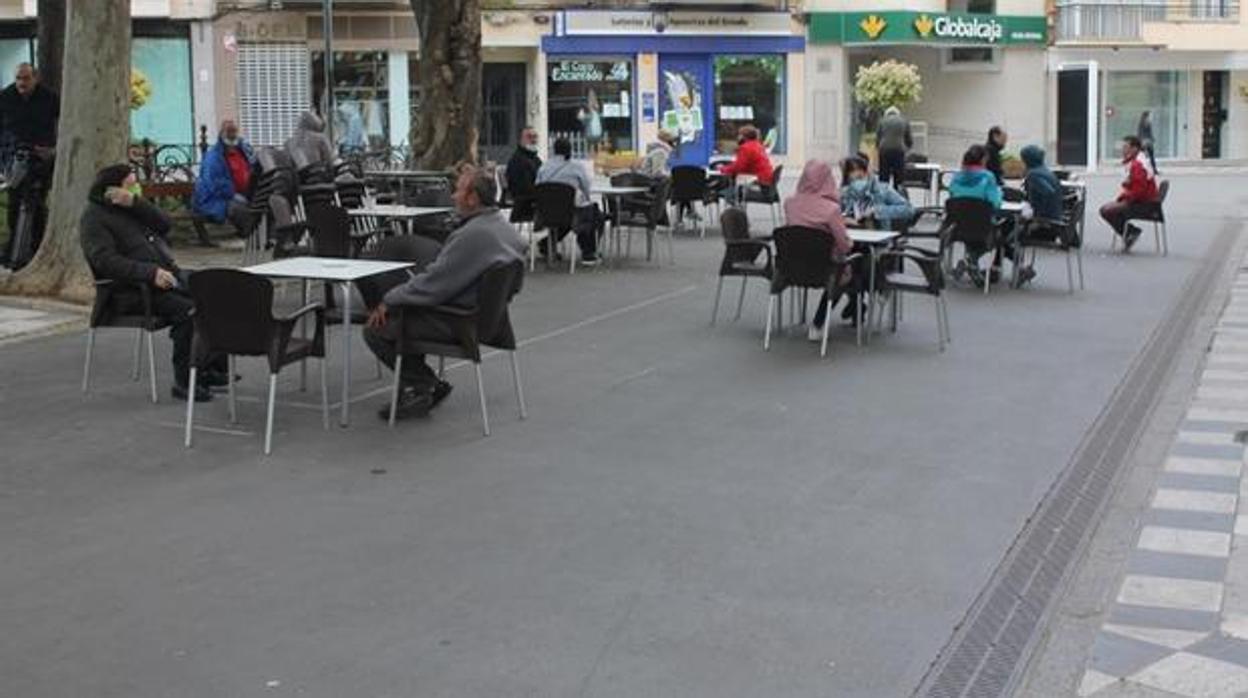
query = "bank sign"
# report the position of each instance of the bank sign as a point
(917, 28)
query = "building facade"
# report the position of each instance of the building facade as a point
(1184, 64)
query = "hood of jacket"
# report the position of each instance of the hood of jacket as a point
(309, 121)
(1032, 156)
(972, 177)
(658, 145)
(817, 179)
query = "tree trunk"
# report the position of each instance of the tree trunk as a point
(94, 131)
(51, 56)
(450, 82)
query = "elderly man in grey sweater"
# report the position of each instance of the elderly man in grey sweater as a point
(484, 238)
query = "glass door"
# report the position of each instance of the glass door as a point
(685, 106)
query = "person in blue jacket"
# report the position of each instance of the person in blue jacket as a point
(975, 181)
(224, 182)
(864, 196)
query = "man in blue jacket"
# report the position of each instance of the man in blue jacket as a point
(224, 183)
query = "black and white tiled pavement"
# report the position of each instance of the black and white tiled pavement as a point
(1179, 621)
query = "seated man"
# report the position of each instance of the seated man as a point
(522, 174)
(1139, 193)
(751, 159)
(224, 181)
(484, 238)
(123, 238)
(865, 200)
(1043, 205)
(561, 169)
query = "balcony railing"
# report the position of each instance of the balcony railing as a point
(1103, 20)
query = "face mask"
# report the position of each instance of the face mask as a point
(135, 189)
(531, 147)
(859, 185)
(232, 142)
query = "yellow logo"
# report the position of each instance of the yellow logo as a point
(923, 25)
(873, 26)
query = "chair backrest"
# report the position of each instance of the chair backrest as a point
(233, 310)
(556, 205)
(1163, 190)
(774, 187)
(402, 248)
(498, 285)
(803, 256)
(331, 230)
(688, 183)
(662, 189)
(350, 192)
(734, 224)
(968, 220)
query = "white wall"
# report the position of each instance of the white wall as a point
(1235, 134)
(960, 106)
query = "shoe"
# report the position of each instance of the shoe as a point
(440, 391)
(412, 404)
(814, 333)
(994, 275)
(216, 379)
(975, 276)
(591, 261)
(1024, 275)
(960, 270)
(1129, 237)
(202, 393)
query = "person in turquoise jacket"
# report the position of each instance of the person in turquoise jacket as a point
(975, 181)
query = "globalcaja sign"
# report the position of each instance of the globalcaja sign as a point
(918, 28)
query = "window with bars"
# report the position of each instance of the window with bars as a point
(273, 90)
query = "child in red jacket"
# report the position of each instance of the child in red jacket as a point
(1138, 195)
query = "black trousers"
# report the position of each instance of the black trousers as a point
(174, 306)
(42, 172)
(892, 165)
(587, 223)
(383, 342)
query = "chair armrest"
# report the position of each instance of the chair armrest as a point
(316, 307)
(933, 254)
(930, 266)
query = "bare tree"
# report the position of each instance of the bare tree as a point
(51, 52)
(94, 131)
(450, 81)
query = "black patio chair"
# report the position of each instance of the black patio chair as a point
(759, 193)
(804, 259)
(689, 187)
(1062, 235)
(234, 316)
(910, 269)
(113, 309)
(1155, 213)
(556, 213)
(648, 211)
(970, 222)
(741, 257)
(488, 324)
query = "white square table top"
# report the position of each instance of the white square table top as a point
(924, 166)
(872, 237)
(613, 191)
(1012, 207)
(326, 268)
(397, 211)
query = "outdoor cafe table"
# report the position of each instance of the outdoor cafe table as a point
(873, 240)
(405, 214)
(933, 170)
(337, 271)
(611, 192)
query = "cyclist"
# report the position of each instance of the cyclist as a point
(29, 113)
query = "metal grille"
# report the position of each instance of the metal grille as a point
(1098, 20)
(990, 647)
(273, 90)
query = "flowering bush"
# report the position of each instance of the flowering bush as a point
(885, 84)
(140, 89)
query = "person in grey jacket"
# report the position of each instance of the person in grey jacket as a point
(893, 141)
(309, 145)
(562, 169)
(484, 238)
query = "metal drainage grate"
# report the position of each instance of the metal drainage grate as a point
(987, 653)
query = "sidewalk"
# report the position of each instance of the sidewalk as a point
(1179, 622)
(24, 318)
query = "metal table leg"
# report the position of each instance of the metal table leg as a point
(346, 354)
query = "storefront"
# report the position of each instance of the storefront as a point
(613, 79)
(977, 70)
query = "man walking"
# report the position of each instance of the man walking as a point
(29, 113)
(893, 141)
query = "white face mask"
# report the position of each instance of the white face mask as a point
(232, 142)
(531, 147)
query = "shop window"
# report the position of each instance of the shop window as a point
(12, 53)
(1128, 94)
(749, 90)
(361, 97)
(167, 116)
(590, 102)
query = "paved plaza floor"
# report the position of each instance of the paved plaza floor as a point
(683, 514)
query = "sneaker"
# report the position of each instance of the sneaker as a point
(412, 404)
(202, 393)
(960, 270)
(1129, 237)
(440, 391)
(814, 333)
(591, 261)
(1025, 275)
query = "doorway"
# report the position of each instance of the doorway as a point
(503, 90)
(1213, 113)
(1072, 117)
